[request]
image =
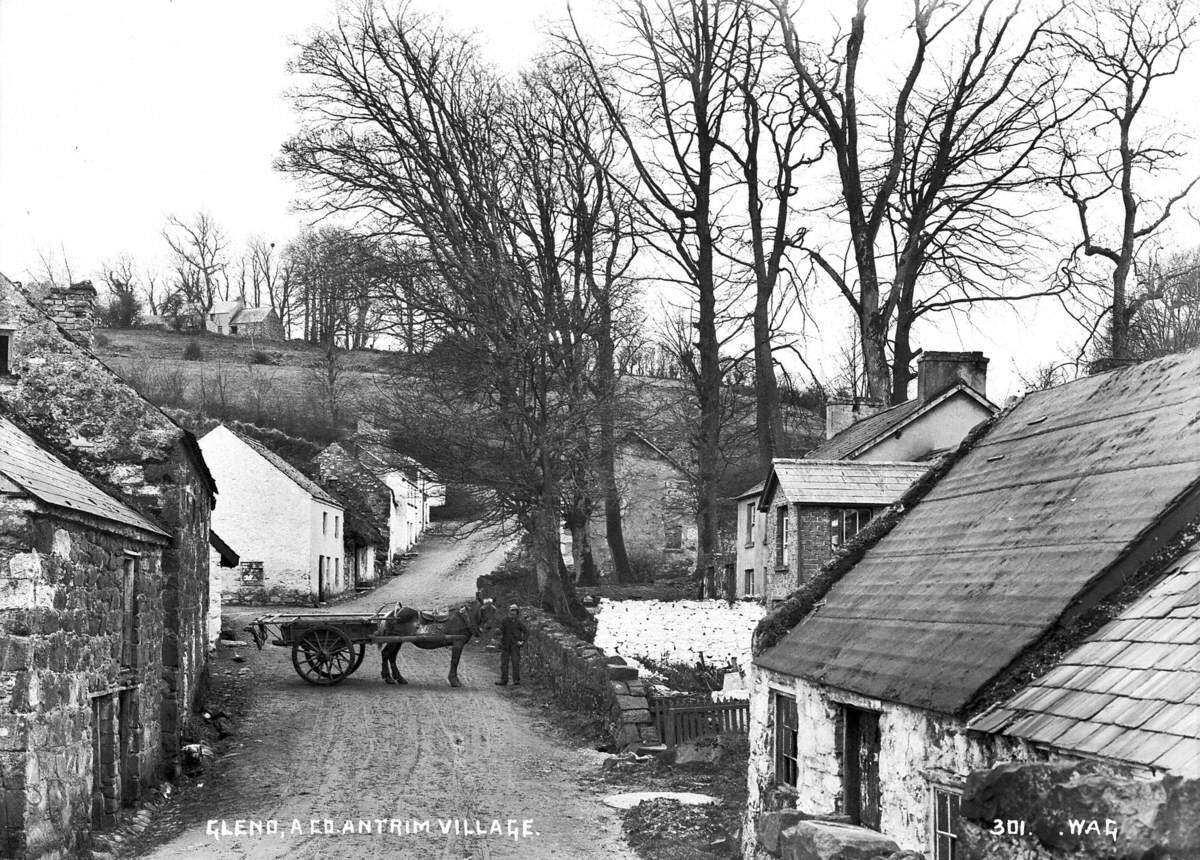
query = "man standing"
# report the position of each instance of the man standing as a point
(512, 637)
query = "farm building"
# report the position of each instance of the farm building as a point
(1057, 544)
(234, 318)
(287, 530)
(658, 509)
(58, 392)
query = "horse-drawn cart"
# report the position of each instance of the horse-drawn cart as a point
(328, 648)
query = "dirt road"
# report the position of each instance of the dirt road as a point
(428, 765)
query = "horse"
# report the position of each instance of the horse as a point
(452, 630)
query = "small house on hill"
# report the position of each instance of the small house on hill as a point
(287, 529)
(234, 318)
(1059, 544)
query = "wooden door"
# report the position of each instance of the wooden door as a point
(860, 766)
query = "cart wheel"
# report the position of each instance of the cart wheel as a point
(362, 650)
(324, 656)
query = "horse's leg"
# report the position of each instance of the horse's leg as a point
(388, 660)
(395, 671)
(455, 654)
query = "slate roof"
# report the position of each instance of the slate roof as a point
(1131, 691)
(1048, 501)
(846, 482)
(873, 428)
(43, 476)
(228, 307)
(251, 315)
(299, 478)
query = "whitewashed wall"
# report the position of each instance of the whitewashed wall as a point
(677, 631)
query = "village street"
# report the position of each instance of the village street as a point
(415, 753)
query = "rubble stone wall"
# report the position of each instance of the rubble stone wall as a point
(918, 750)
(587, 679)
(678, 631)
(1077, 811)
(62, 614)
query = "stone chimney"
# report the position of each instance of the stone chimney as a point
(937, 371)
(841, 412)
(74, 309)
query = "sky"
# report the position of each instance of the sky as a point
(116, 115)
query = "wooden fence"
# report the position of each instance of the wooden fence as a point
(681, 720)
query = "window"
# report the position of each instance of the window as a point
(324, 523)
(337, 526)
(787, 736)
(5, 339)
(781, 536)
(233, 329)
(749, 577)
(337, 572)
(845, 523)
(750, 507)
(674, 536)
(945, 822)
(129, 612)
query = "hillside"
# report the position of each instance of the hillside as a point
(287, 386)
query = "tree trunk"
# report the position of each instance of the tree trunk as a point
(901, 357)
(614, 531)
(556, 593)
(581, 550)
(766, 388)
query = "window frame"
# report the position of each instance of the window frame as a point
(952, 793)
(783, 761)
(782, 529)
(749, 583)
(6, 339)
(751, 508)
(673, 535)
(837, 524)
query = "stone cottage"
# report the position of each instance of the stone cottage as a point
(56, 388)
(234, 318)
(81, 650)
(811, 508)
(1057, 543)
(374, 503)
(287, 530)
(658, 509)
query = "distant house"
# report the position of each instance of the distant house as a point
(372, 502)
(234, 318)
(416, 490)
(773, 555)
(1040, 599)
(808, 509)
(81, 607)
(951, 399)
(287, 529)
(658, 509)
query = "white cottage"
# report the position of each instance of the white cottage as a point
(416, 490)
(1037, 601)
(287, 530)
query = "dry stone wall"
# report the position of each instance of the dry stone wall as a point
(586, 678)
(678, 631)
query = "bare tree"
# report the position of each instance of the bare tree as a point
(270, 278)
(1112, 161)
(124, 306)
(927, 172)
(199, 248)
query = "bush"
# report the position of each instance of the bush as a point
(192, 351)
(260, 357)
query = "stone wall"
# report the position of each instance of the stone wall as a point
(132, 449)
(63, 689)
(918, 750)
(1076, 811)
(678, 631)
(585, 678)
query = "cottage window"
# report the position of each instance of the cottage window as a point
(337, 572)
(750, 506)
(749, 576)
(845, 523)
(674, 536)
(945, 822)
(233, 329)
(324, 522)
(337, 526)
(787, 740)
(5, 339)
(781, 536)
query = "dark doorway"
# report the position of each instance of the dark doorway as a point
(320, 578)
(860, 766)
